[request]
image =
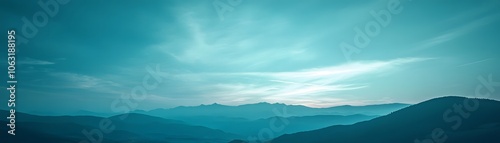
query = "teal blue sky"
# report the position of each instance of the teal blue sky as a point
(287, 51)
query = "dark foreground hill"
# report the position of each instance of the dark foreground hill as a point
(127, 128)
(446, 119)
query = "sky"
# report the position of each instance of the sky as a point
(90, 54)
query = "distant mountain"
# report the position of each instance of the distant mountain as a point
(71, 113)
(290, 124)
(266, 110)
(133, 128)
(376, 109)
(423, 122)
(249, 119)
(89, 113)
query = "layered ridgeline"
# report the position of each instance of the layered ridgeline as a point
(124, 128)
(207, 123)
(250, 119)
(446, 119)
(266, 110)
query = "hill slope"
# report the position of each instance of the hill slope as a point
(288, 124)
(127, 128)
(420, 122)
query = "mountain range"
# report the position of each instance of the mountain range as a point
(446, 119)
(250, 119)
(266, 110)
(127, 128)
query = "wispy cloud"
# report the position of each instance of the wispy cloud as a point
(475, 62)
(255, 40)
(30, 61)
(84, 82)
(320, 84)
(456, 32)
(235, 47)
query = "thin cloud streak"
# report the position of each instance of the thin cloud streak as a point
(321, 83)
(455, 33)
(30, 61)
(475, 62)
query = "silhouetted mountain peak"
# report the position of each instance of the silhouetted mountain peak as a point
(212, 105)
(447, 99)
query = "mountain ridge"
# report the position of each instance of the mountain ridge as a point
(411, 124)
(127, 127)
(265, 110)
